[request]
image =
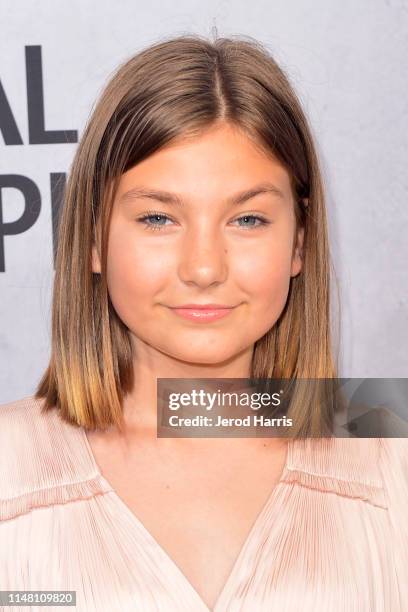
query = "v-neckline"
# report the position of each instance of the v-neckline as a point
(166, 556)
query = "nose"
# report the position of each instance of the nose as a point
(203, 258)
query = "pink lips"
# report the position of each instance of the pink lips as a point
(203, 313)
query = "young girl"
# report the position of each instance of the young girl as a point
(193, 244)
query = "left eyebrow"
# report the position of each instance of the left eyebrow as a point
(168, 197)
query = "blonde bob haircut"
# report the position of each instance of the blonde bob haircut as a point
(174, 88)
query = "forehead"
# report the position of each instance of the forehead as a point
(221, 159)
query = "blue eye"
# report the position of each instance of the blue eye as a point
(156, 217)
(156, 220)
(254, 217)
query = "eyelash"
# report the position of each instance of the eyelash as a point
(152, 213)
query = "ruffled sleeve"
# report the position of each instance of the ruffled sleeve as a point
(394, 468)
(42, 462)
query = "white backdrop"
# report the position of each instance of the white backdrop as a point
(348, 61)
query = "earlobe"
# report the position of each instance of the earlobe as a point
(96, 264)
(297, 260)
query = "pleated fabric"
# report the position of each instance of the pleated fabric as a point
(332, 536)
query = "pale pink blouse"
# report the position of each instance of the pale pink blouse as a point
(332, 536)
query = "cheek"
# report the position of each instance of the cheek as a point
(264, 272)
(134, 274)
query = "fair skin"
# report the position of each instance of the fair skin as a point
(204, 251)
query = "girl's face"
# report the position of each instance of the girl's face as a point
(221, 230)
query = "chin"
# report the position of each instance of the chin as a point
(202, 355)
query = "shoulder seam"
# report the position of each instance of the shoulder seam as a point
(61, 493)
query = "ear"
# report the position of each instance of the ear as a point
(297, 258)
(96, 262)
